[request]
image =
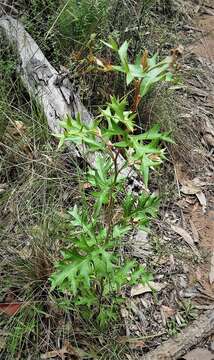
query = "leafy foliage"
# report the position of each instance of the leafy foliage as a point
(148, 70)
(91, 268)
(145, 72)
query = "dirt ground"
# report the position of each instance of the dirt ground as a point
(203, 221)
(185, 277)
(197, 205)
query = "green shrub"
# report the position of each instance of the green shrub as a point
(92, 269)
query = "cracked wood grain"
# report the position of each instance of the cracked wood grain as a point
(40, 77)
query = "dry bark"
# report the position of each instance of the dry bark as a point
(176, 347)
(52, 90)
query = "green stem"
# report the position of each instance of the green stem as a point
(111, 201)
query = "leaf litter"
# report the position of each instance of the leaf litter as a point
(194, 232)
(10, 309)
(186, 237)
(140, 289)
(67, 349)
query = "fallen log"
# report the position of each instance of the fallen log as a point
(177, 346)
(52, 90)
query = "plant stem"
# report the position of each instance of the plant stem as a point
(111, 201)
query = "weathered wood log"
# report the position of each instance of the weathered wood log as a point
(52, 90)
(177, 346)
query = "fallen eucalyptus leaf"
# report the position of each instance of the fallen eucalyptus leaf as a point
(66, 349)
(194, 232)
(184, 234)
(10, 309)
(202, 199)
(186, 237)
(142, 289)
(189, 188)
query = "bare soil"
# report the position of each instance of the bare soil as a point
(189, 279)
(204, 47)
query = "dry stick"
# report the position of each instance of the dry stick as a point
(177, 346)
